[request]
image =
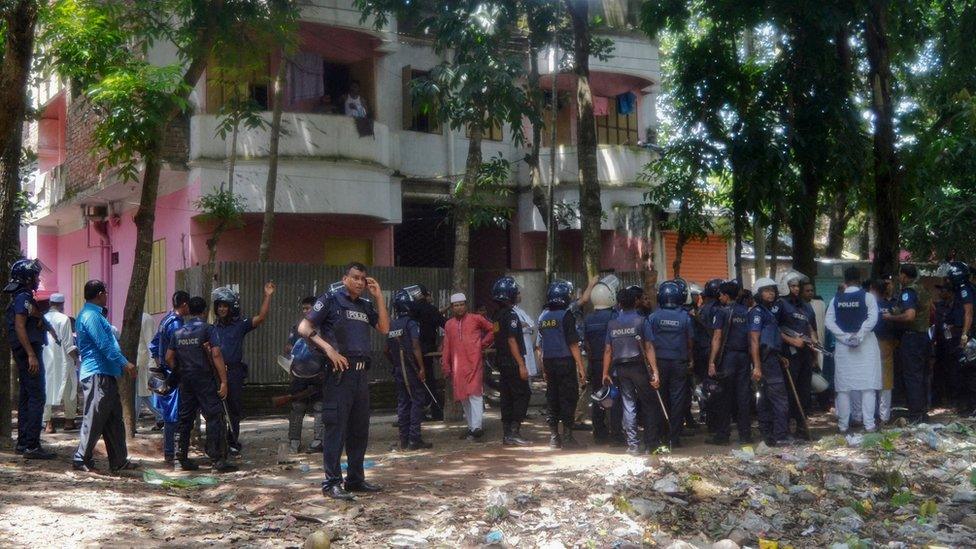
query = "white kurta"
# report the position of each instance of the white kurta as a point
(59, 367)
(856, 368)
(143, 360)
(528, 336)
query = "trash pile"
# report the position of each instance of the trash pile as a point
(902, 487)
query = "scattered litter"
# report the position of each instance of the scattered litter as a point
(154, 477)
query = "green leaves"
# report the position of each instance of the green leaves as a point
(222, 206)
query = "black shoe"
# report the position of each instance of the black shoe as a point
(717, 441)
(315, 447)
(514, 438)
(129, 465)
(186, 465)
(478, 433)
(364, 487)
(83, 467)
(419, 445)
(581, 427)
(234, 451)
(771, 442)
(633, 451)
(223, 467)
(555, 442)
(158, 426)
(39, 453)
(19, 450)
(570, 442)
(336, 492)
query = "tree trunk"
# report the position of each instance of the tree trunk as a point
(773, 246)
(540, 196)
(839, 217)
(145, 220)
(19, 22)
(232, 161)
(679, 248)
(737, 230)
(864, 239)
(462, 224)
(591, 211)
(759, 248)
(271, 187)
(803, 223)
(887, 172)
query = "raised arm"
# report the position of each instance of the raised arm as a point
(269, 290)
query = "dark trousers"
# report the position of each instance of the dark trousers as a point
(736, 383)
(345, 424)
(913, 353)
(312, 404)
(198, 394)
(102, 418)
(674, 391)
(430, 372)
(801, 369)
(562, 390)
(411, 399)
(598, 415)
(236, 374)
(635, 388)
(30, 401)
(515, 393)
(774, 407)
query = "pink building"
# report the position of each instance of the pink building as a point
(345, 191)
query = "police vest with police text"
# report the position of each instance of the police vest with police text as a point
(850, 311)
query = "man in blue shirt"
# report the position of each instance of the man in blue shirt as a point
(914, 305)
(230, 329)
(27, 337)
(765, 342)
(403, 349)
(102, 364)
(672, 335)
(169, 404)
(595, 333)
(729, 364)
(562, 362)
(339, 325)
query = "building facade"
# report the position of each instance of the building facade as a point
(347, 190)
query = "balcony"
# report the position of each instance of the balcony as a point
(305, 136)
(617, 165)
(47, 190)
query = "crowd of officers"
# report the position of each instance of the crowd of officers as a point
(641, 352)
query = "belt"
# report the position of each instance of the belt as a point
(358, 362)
(629, 362)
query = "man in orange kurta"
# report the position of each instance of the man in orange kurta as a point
(465, 337)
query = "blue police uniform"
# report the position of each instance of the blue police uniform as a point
(703, 336)
(774, 408)
(230, 338)
(345, 324)
(515, 391)
(595, 334)
(30, 401)
(670, 330)
(963, 377)
(796, 315)
(403, 338)
(300, 406)
(625, 336)
(913, 351)
(168, 404)
(198, 388)
(734, 372)
(557, 332)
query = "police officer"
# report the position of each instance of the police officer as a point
(764, 348)
(595, 334)
(914, 305)
(794, 314)
(627, 347)
(27, 336)
(403, 350)
(430, 320)
(168, 402)
(643, 305)
(703, 318)
(959, 325)
(298, 385)
(339, 325)
(193, 353)
(729, 363)
(562, 362)
(230, 329)
(671, 335)
(510, 359)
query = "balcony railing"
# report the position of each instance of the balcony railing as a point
(617, 165)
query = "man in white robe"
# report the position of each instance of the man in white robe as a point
(851, 317)
(60, 371)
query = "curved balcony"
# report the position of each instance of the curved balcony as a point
(617, 165)
(305, 136)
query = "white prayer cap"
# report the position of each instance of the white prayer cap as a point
(458, 298)
(57, 298)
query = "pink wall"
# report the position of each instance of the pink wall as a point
(618, 252)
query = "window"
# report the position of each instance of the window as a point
(416, 117)
(564, 119)
(342, 250)
(156, 286)
(616, 128)
(493, 133)
(225, 85)
(79, 276)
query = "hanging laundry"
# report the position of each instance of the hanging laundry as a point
(601, 106)
(626, 103)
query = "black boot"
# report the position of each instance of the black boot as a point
(507, 433)
(516, 436)
(569, 441)
(554, 441)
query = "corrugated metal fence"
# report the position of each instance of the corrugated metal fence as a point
(295, 281)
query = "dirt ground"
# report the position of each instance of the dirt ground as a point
(438, 497)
